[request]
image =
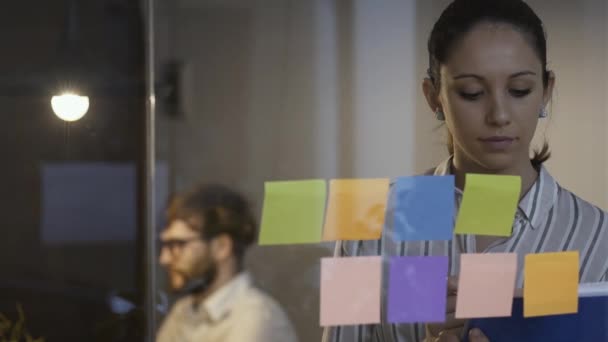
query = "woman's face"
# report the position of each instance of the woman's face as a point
(492, 94)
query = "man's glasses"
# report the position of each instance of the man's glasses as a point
(175, 246)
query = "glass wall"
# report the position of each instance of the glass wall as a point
(286, 90)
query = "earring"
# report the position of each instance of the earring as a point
(439, 115)
(543, 113)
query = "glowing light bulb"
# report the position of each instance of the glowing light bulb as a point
(69, 106)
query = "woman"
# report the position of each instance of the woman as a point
(488, 81)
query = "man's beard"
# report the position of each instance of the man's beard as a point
(198, 284)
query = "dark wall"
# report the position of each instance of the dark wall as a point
(63, 287)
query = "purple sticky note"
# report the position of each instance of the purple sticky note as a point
(417, 291)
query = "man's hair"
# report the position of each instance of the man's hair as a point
(214, 210)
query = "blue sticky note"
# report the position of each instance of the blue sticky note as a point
(423, 208)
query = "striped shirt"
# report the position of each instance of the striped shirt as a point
(549, 218)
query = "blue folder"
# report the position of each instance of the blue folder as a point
(589, 324)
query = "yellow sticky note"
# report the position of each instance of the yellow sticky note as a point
(356, 209)
(551, 284)
(488, 205)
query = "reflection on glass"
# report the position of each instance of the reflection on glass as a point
(209, 229)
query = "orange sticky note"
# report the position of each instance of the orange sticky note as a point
(551, 284)
(486, 285)
(356, 209)
(350, 290)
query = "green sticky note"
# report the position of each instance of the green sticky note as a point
(293, 212)
(488, 205)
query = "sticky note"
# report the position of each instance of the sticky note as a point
(488, 205)
(423, 208)
(551, 284)
(486, 285)
(293, 212)
(418, 288)
(355, 209)
(350, 290)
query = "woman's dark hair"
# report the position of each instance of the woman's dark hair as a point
(462, 15)
(214, 210)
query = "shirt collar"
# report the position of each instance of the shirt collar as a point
(219, 304)
(536, 203)
(540, 199)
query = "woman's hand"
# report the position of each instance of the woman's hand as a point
(475, 335)
(452, 326)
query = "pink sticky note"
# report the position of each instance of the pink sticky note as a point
(486, 285)
(350, 290)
